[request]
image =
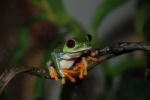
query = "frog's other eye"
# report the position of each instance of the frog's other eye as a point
(89, 37)
(70, 43)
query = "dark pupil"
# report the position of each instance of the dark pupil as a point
(70, 43)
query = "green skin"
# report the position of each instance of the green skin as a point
(66, 56)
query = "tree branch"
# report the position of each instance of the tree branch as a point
(119, 49)
(103, 54)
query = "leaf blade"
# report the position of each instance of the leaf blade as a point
(104, 9)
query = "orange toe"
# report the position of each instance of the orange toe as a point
(68, 71)
(54, 74)
(85, 72)
(82, 68)
(90, 58)
(81, 74)
(69, 77)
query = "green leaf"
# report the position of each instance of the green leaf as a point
(60, 11)
(23, 39)
(104, 9)
(143, 26)
(127, 64)
(22, 46)
(146, 30)
(142, 16)
(64, 19)
(55, 11)
(56, 14)
(134, 87)
(39, 85)
(39, 89)
(35, 2)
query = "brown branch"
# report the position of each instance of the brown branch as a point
(7, 75)
(119, 49)
(104, 54)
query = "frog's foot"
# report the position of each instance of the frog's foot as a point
(91, 58)
(83, 70)
(82, 67)
(53, 73)
(68, 74)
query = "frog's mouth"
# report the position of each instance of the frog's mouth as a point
(69, 56)
(76, 54)
(80, 50)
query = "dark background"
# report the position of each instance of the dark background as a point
(28, 41)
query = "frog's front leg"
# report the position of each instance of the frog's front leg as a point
(56, 60)
(52, 70)
(83, 68)
(68, 74)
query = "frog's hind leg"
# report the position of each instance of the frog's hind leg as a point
(82, 67)
(92, 57)
(68, 74)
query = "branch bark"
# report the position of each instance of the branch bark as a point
(103, 54)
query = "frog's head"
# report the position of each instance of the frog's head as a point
(75, 45)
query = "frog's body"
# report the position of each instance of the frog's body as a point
(64, 59)
(68, 60)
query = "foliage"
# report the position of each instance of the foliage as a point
(103, 10)
(54, 12)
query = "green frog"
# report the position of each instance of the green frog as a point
(62, 64)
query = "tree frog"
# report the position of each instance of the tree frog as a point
(64, 62)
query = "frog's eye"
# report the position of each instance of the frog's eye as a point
(89, 37)
(70, 43)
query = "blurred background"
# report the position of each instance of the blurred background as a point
(31, 29)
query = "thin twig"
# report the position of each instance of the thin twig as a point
(7, 75)
(104, 54)
(119, 49)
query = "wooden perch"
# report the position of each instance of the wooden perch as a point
(104, 54)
